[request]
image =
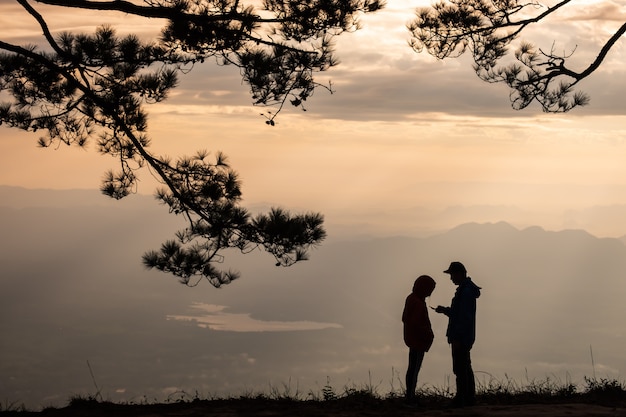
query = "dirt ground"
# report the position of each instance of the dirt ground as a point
(277, 408)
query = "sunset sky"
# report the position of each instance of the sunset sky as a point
(401, 130)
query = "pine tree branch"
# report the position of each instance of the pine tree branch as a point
(152, 11)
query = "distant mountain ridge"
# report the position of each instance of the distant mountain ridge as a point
(413, 221)
(18, 197)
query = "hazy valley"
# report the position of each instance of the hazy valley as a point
(73, 291)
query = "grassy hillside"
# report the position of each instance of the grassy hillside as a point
(598, 397)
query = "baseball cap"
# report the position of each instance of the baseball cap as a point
(455, 267)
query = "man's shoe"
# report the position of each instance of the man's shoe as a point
(412, 403)
(456, 403)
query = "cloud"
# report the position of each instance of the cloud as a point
(215, 317)
(605, 10)
(379, 77)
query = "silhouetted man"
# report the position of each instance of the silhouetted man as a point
(461, 332)
(418, 333)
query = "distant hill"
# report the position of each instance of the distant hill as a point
(73, 290)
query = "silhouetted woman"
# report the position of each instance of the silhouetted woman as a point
(418, 333)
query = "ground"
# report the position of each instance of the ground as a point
(289, 408)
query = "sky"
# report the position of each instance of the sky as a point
(406, 145)
(402, 130)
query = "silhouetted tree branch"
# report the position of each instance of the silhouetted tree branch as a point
(79, 88)
(450, 27)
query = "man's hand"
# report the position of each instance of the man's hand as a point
(442, 309)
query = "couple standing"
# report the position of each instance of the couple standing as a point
(461, 332)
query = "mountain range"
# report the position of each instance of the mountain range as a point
(80, 314)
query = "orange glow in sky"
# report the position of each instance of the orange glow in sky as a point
(398, 123)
